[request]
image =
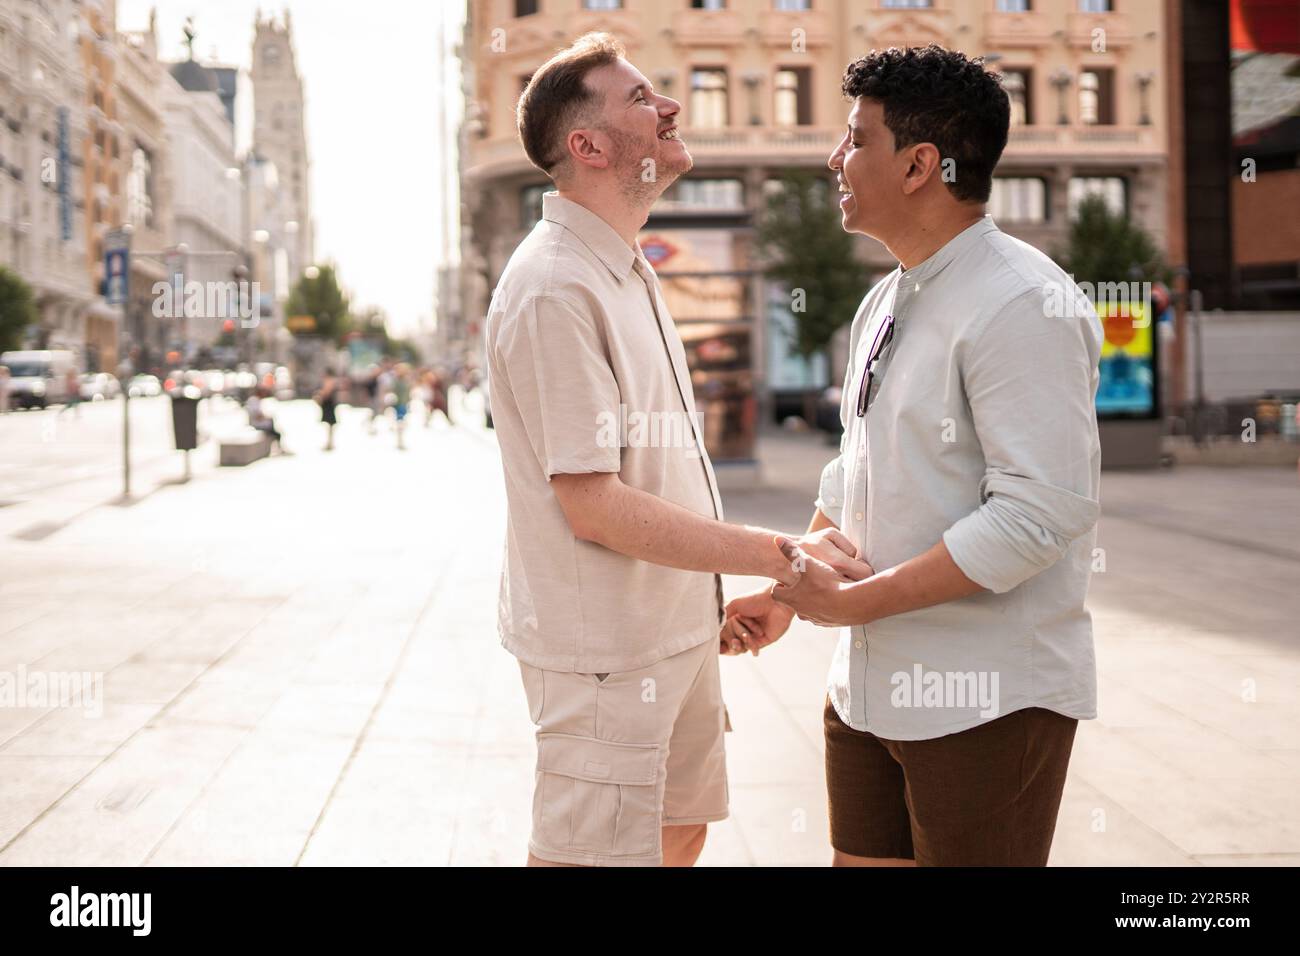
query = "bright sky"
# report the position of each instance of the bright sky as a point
(372, 118)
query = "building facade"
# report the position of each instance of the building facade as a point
(145, 193)
(759, 81)
(43, 132)
(206, 201)
(279, 132)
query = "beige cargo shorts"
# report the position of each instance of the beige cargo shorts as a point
(620, 755)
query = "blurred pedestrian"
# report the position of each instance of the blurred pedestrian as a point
(373, 400)
(260, 418)
(327, 398)
(401, 399)
(4, 389)
(436, 397)
(72, 385)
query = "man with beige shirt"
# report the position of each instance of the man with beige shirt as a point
(610, 595)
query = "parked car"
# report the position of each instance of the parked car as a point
(39, 377)
(215, 381)
(145, 386)
(283, 384)
(828, 411)
(99, 387)
(239, 385)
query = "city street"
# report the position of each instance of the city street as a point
(300, 662)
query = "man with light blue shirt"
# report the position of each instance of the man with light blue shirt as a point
(968, 479)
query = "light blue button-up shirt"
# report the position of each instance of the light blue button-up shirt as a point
(982, 431)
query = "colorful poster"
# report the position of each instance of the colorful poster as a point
(1128, 381)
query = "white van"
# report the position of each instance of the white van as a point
(38, 378)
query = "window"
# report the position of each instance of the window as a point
(713, 194)
(1019, 85)
(708, 4)
(792, 93)
(792, 5)
(530, 205)
(1113, 189)
(1096, 97)
(1095, 6)
(271, 55)
(907, 4)
(1018, 199)
(525, 8)
(602, 4)
(1013, 6)
(709, 99)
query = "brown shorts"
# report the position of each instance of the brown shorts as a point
(987, 796)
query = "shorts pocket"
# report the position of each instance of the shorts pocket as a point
(597, 796)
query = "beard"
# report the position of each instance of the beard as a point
(645, 168)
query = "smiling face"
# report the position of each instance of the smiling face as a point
(869, 172)
(638, 127)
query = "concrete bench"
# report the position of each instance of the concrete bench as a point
(245, 447)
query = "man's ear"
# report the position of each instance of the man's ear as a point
(583, 148)
(923, 164)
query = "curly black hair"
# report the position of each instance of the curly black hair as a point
(939, 96)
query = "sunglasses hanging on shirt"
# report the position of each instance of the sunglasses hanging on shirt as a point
(884, 335)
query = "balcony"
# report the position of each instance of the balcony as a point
(1117, 32)
(777, 28)
(707, 28)
(1134, 143)
(1018, 30)
(730, 146)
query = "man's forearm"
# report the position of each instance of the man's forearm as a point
(648, 528)
(928, 579)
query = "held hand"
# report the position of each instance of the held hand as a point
(753, 621)
(832, 548)
(819, 594)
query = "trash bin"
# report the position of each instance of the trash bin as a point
(185, 421)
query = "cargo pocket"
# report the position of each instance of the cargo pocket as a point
(597, 796)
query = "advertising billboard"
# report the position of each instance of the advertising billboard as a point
(1127, 388)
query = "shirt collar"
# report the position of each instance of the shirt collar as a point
(949, 251)
(596, 234)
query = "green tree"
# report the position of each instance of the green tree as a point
(805, 248)
(1105, 247)
(17, 309)
(324, 300)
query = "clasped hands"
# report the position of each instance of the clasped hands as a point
(817, 568)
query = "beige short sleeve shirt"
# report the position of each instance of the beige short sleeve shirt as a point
(587, 374)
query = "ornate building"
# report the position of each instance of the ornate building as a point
(759, 81)
(278, 132)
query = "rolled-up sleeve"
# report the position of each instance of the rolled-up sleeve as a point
(1030, 381)
(560, 378)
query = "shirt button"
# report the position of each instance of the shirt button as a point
(858, 645)
(858, 516)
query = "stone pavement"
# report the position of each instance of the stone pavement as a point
(300, 666)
